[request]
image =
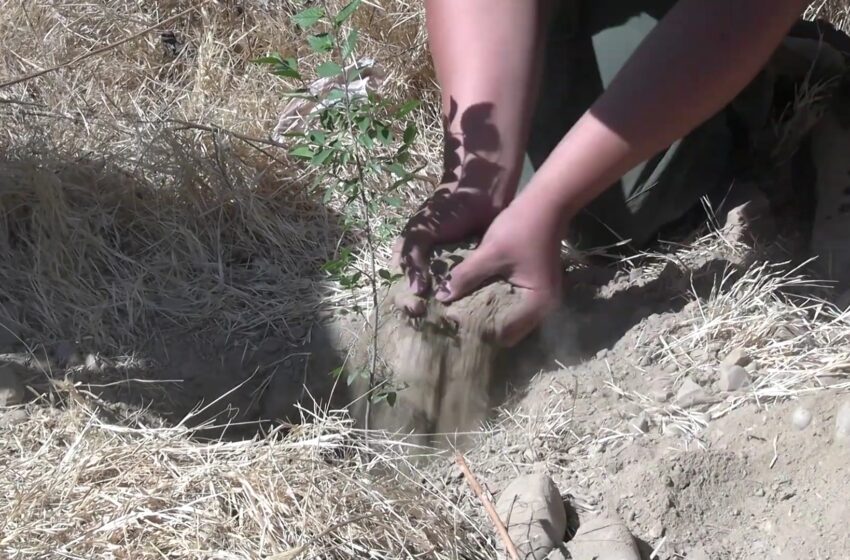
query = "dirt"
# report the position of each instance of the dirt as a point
(439, 365)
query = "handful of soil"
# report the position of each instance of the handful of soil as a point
(439, 364)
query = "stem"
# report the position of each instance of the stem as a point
(370, 242)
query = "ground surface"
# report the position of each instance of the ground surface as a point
(163, 303)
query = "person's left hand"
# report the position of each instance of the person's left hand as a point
(522, 246)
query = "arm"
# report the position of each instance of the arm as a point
(693, 64)
(702, 54)
(485, 54)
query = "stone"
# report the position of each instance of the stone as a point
(11, 385)
(842, 422)
(603, 538)
(690, 394)
(737, 357)
(733, 377)
(533, 511)
(660, 391)
(801, 418)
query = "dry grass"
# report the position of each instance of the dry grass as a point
(125, 211)
(137, 196)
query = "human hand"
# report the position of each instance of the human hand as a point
(522, 247)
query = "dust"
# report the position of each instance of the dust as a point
(439, 366)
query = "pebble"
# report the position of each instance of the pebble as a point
(690, 394)
(660, 392)
(760, 492)
(11, 385)
(737, 357)
(801, 418)
(842, 422)
(533, 512)
(733, 377)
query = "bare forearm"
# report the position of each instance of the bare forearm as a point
(485, 54)
(697, 59)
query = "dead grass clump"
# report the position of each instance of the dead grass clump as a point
(139, 189)
(77, 487)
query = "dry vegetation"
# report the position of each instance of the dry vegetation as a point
(138, 194)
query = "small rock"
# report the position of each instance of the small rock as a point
(737, 357)
(801, 418)
(601, 354)
(656, 531)
(733, 377)
(842, 422)
(11, 385)
(603, 539)
(533, 512)
(690, 394)
(13, 418)
(760, 492)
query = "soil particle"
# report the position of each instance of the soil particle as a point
(11, 385)
(534, 514)
(603, 538)
(733, 377)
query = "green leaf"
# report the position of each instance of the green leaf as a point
(288, 68)
(336, 372)
(410, 133)
(302, 151)
(309, 17)
(363, 122)
(391, 398)
(317, 136)
(350, 43)
(405, 109)
(365, 141)
(383, 134)
(321, 43)
(321, 157)
(385, 274)
(335, 94)
(394, 202)
(396, 169)
(328, 69)
(346, 12)
(328, 196)
(271, 59)
(299, 94)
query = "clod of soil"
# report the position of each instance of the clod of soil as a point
(603, 539)
(439, 364)
(842, 422)
(691, 394)
(733, 377)
(533, 512)
(737, 357)
(801, 418)
(11, 385)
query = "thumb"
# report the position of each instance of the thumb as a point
(469, 275)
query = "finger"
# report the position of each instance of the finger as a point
(414, 255)
(517, 321)
(469, 275)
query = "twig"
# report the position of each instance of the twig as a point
(488, 506)
(299, 550)
(95, 52)
(775, 452)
